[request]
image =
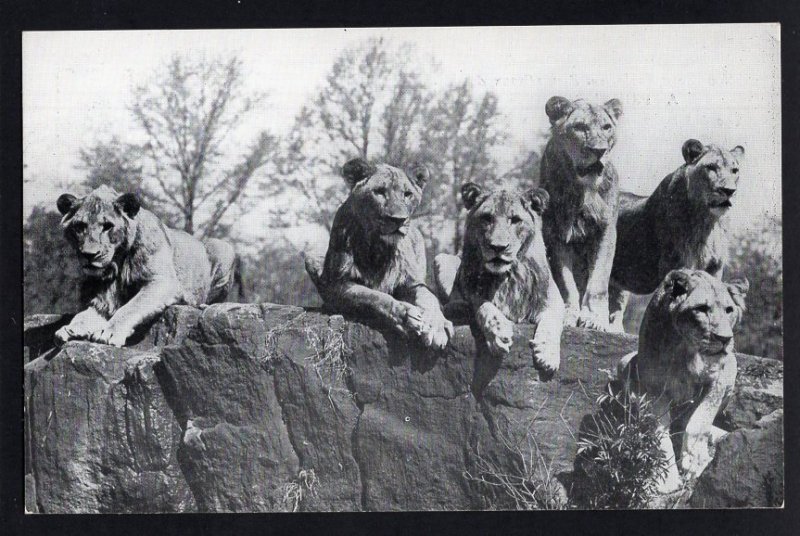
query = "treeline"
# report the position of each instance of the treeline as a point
(197, 170)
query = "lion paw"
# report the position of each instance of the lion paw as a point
(439, 329)
(110, 335)
(546, 357)
(63, 335)
(697, 455)
(571, 317)
(591, 320)
(497, 329)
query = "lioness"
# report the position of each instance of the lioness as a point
(681, 225)
(580, 228)
(135, 266)
(375, 263)
(686, 362)
(503, 273)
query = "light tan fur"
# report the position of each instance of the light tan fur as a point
(503, 277)
(375, 264)
(683, 224)
(135, 266)
(580, 228)
(686, 363)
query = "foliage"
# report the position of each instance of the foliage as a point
(277, 274)
(757, 254)
(189, 112)
(50, 269)
(293, 493)
(619, 458)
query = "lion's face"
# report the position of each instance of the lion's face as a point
(586, 132)
(713, 175)
(703, 309)
(384, 196)
(501, 224)
(98, 226)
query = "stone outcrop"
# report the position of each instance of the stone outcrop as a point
(252, 408)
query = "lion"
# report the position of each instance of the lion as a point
(503, 276)
(580, 229)
(686, 363)
(134, 266)
(683, 224)
(375, 264)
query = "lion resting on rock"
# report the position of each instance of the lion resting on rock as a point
(681, 225)
(502, 277)
(580, 228)
(686, 363)
(135, 266)
(375, 263)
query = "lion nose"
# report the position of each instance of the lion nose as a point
(498, 248)
(90, 255)
(396, 220)
(728, 191)
(722, 339)
(598, 152)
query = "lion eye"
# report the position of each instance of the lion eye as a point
(107, 226)
(607, 126)
(713, 167)
(78, 228)
(580, 127)
(735, 170)
(729, 309)
(515, 220)
(408, 193)
(380, 191)
(486, 218)
(705, 309)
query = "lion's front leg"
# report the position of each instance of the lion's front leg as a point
(82, 325)
(546, 342)
(594, 305)
(563, 267)
(701, 435)
(149, 302)
(436, 329)
(617, 303)
(498, 331)
(671, 480)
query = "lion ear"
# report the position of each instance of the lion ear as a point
(557, 107)
(738, 152)
(65, 203)
(419, 174)
(356, 170)
(738, 289)
(129, 204)
(691, 150)
(614, 108)
(469, 194)
(677, 283)
(539, 199)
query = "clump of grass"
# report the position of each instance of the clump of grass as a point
(620, 461)
(528, 481)
(293, 493)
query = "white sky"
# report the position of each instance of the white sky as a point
(716, 83)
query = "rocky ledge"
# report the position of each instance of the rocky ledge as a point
(252, 408)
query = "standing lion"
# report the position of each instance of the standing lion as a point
(580, 228)
(135, 266)
(502, 277)
(686, 363)
(375, 263)
(683, 224)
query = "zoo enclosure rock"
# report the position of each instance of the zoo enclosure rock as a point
(267, 407)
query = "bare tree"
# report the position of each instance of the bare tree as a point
(189, 112)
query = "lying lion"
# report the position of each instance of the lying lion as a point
(682, 224)
(502, 276)
(134, 266)
(686, 363)
(375, 263)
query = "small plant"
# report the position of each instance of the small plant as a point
(296, 491)
(529, 482)
(620, 461)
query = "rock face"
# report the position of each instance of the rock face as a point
(250, 408)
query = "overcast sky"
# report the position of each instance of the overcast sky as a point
(716, 83)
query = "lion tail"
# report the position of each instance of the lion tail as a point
(238, 278)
